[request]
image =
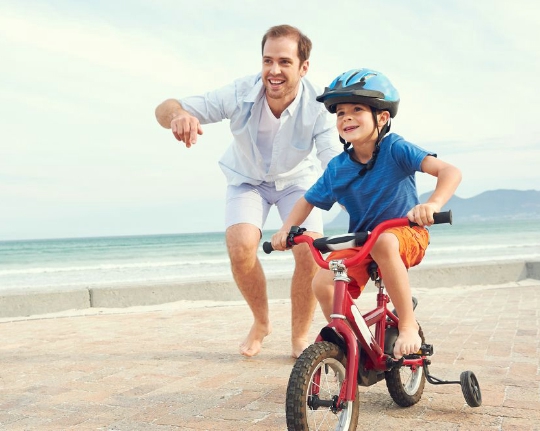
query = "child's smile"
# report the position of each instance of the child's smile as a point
(355, 122)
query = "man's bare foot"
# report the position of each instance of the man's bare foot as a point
(408, 342)
(251, 346)
(298, 346)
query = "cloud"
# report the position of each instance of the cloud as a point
(79, 144)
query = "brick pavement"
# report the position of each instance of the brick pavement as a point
(176, 367)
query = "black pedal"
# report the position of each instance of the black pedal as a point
(426, 350)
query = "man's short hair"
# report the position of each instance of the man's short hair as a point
(304, 44)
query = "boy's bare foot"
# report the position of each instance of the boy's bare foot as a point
(408, 342)
(251, 346)
(298, 346)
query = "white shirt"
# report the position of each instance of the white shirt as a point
(268, 128)
(305, 125)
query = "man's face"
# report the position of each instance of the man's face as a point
(281, 68)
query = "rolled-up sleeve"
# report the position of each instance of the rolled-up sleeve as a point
(213, 106)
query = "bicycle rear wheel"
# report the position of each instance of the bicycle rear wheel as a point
(406, 384)
(314, 386)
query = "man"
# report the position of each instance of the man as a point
(276, 123)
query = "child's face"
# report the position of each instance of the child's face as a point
(354, 122)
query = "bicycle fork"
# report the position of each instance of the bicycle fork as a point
(348, 329)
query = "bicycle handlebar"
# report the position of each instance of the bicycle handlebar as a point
(441, 218)
(358, 239)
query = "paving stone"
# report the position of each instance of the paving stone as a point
(176, 366)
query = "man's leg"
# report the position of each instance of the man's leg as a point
(323, 288)
(242, 244)
(303, 300)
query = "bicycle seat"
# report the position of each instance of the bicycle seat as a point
(340, 242)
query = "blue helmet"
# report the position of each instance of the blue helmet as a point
(364, 86)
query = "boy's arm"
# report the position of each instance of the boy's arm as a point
(448, 179)
(298, 215)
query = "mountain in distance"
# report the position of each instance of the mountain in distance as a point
(490, 205)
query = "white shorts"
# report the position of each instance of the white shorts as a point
(251, 204)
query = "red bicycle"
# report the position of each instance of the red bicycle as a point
(357, 349)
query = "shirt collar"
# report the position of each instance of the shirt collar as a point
(256, 92)
(292, 107)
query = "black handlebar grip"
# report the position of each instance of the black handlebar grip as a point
(267, 247)
(442, 217)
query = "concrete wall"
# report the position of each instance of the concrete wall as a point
(25, 303)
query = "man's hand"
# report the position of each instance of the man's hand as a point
(171, 115)
(185, 128)
(279, 240)
(422, 214)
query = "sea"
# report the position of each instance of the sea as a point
(46, 264)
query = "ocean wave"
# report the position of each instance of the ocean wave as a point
(209, 263)
(114, 266)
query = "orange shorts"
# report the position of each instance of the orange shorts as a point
(413, 242)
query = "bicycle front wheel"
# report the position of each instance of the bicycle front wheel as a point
(314, 386)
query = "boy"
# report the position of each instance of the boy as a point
(374, 180)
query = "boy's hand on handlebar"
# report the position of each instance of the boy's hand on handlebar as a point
(279, 240)
(422, 214)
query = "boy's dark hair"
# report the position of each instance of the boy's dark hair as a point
(304, 44)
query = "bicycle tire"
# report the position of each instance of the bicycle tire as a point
(303, 411)
(405, 384)
(471, 389)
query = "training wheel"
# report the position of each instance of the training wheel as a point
(470, 389)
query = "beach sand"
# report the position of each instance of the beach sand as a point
(176, 366)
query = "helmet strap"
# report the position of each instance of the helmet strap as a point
(371, 162)
(346, 144)
(380, 134)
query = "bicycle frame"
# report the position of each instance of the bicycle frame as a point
(350, 326)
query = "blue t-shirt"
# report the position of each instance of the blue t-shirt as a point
(386, 191)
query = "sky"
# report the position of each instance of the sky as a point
(81, 153)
